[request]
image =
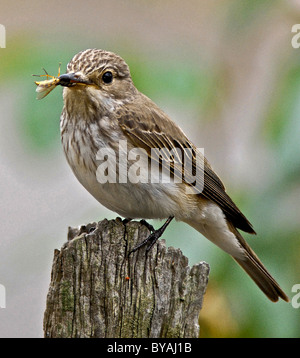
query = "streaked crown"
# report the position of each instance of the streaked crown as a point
(91, 60)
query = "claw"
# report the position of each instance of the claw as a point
(153, 237)
(148, 226)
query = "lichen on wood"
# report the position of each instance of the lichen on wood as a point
(98, 290)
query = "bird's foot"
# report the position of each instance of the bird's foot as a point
(148, 226)
(143, 222)
(153, 237)
(126, 221)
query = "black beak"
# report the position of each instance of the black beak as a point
(70, 79)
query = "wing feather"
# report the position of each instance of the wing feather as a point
(152, 128)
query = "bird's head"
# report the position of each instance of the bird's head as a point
(98, 77)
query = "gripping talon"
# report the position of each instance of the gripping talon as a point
(148, 226)
(126, 221)
(153, 237)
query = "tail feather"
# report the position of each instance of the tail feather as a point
(220, 231)
(262, 278)
(257, 271)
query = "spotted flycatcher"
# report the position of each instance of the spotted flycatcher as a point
(113, 135)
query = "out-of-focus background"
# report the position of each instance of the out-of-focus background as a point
(226, 72)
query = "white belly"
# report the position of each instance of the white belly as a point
(132, 200)
(142, 199)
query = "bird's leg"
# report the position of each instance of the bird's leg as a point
(148, 226)
(153, 237)
(143, 222)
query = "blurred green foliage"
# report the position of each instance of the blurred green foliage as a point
(184, 80)
(242, 15)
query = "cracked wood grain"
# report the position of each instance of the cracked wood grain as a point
(96, 290)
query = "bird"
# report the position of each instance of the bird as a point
(103, 113)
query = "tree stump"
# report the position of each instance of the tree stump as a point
(97, 290)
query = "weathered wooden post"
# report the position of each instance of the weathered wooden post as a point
(97, 290)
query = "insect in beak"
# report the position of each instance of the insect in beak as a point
(45, 87)
(65, 80)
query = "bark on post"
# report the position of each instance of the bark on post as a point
(96, 290)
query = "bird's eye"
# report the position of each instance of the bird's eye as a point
(107, 77)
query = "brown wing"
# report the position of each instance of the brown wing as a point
(152, 128)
